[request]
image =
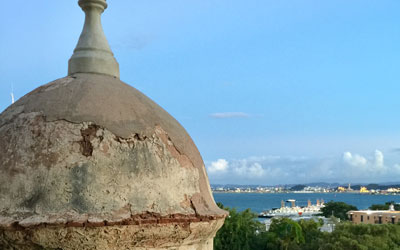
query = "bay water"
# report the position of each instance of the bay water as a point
(259, 202)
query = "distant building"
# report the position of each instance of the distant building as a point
(375, 216)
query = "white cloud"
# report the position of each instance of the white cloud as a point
(366, 167)
(375, 164)
(354, 160)
(253, 170)
(226, 115)
(258, 170)
(221, 165)
(379, 159)
(272, 169)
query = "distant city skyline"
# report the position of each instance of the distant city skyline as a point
(272, 92)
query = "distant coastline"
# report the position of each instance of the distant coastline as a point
(371, 189)
(259, 202)
(299, 192)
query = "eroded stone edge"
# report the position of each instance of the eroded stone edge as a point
(100, 220)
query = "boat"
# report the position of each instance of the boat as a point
(293, 211)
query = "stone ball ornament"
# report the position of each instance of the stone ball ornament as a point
(89, 162)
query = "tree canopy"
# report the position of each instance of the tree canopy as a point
(337, 209)
(385, 206)
(362, 236)
(242, 231)
(239, 232)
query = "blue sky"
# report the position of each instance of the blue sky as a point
(271, 91)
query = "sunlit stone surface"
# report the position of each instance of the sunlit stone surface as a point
(88, 162)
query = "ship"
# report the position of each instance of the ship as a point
(293, 210)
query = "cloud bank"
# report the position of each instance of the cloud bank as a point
(221, 165)
(272, 170)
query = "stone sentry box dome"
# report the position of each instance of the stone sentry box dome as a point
(88, 162)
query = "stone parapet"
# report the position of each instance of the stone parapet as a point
(153, 236)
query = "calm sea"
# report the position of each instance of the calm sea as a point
(260, 202)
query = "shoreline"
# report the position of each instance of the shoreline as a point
(296, 192)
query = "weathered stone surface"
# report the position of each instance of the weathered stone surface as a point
(88, 162)
(92, 143)
(178, 236)
(60, 166)
(88, 151)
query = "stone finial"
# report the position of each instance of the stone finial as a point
(93, 53)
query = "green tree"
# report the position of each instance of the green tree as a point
(286, 233)
(312, 233)
(348, 236)
(385, 206)
(241, 231)
(337, 209)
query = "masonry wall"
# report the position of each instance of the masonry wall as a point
(386, 217)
